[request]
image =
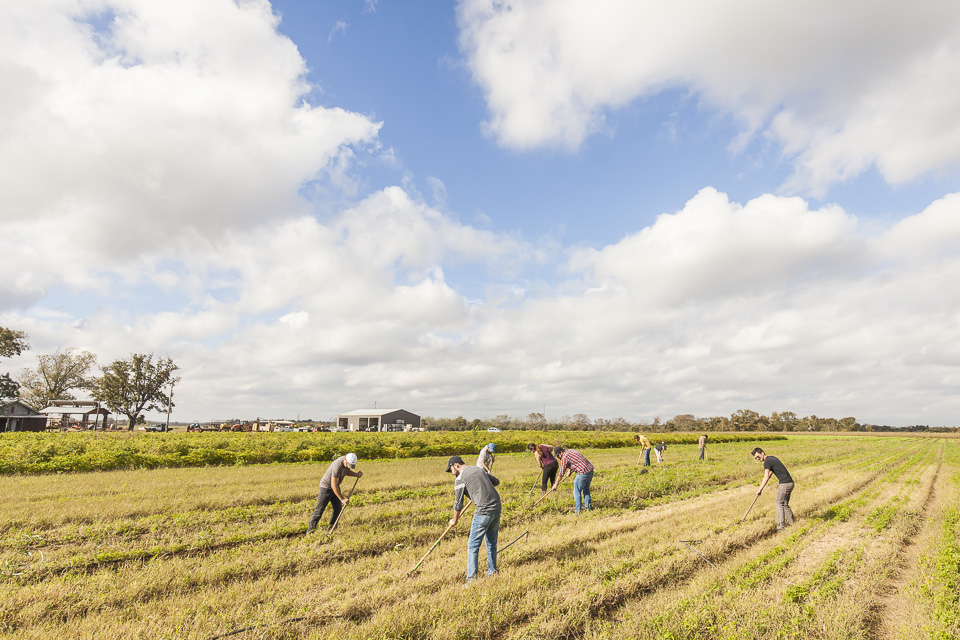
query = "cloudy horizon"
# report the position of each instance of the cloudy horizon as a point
(632, 212)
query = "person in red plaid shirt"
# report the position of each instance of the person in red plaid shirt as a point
(572, 460)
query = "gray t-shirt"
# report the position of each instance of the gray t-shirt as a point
(478, 485)
(485, 456)
(337, 469)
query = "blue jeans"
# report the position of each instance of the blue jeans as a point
(485, 526)
(581, 485)
(646, 457)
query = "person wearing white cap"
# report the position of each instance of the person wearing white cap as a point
(330, 492)
(485, 459)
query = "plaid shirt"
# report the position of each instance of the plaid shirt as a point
(571, 458)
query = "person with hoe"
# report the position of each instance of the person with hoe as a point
(477, 485)
(702, 443)
(645, 448)
(330, 491)
(548, 464)
(772, 466)
(659, 449)
(571, 460)
(485, 459)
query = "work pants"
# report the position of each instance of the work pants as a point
(659, 456)
(784, 512)
(702, 451)
(325, 497)
(581, 487)
(549, 475)
(485, 527)
(646, 457)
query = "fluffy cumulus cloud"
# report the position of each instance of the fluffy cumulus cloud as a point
(839, 87)
(128, 126)
(157, 165)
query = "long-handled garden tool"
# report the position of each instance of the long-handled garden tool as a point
(684, 543)
(435, 544)
(504, 548)
(535, 483)
(552, 489)
(751, 507)
(333, 527)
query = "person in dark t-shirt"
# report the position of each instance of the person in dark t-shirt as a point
(773, 467)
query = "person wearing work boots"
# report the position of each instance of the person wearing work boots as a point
(485, 459)
(571, 460)
(478, 485)
(330, 490)
(773, 467)
(548, 464)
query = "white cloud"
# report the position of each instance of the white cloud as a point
(181, 119)
(769, 305)
(840, 87)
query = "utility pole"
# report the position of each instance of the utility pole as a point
(169, 406)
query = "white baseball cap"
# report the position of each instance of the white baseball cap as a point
(351, 459)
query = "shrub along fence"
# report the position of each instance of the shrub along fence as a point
(37, 453)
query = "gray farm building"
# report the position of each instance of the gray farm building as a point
(16, 416)
(378, 420)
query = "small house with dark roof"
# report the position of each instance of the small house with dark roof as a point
(16, 416)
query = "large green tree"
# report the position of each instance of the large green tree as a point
(12, 343)
(56, 375)
(134, 385)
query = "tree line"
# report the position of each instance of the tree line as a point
(128, 386)
(741, 420)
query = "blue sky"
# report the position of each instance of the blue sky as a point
(478, 208)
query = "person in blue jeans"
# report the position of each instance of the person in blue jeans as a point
(572, 460)
(478, 485)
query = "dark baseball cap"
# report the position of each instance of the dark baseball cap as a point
(454, 460)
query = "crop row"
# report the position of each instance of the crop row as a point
(571, 575)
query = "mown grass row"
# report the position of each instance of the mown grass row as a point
(769, 593)
(569, 576)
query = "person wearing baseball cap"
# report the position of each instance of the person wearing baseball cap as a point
(485, 459)
(478, 485)
(330, 492)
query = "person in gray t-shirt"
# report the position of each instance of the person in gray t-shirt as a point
(330, 491)
(478, 485)
(773, 467)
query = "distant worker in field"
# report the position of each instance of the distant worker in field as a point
(548, 464)
(660, 448)
(702, 443)
(572, 460)
(486, 459)
(330, 491)
(772, 466)
(477, 485)
(645, 449)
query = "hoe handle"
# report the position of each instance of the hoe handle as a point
(445, 532)
(552, 489)
(333, 527)
(535, 482)
(751, 507)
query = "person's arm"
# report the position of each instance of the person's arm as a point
(539, 456)
(561, 471)
(355, 474)
(335, 485)
(766, 477)
(458, 492)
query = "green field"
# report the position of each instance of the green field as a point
(92, 451)
(203, 552)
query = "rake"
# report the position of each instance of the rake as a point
(442, 535)
(333, 527)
